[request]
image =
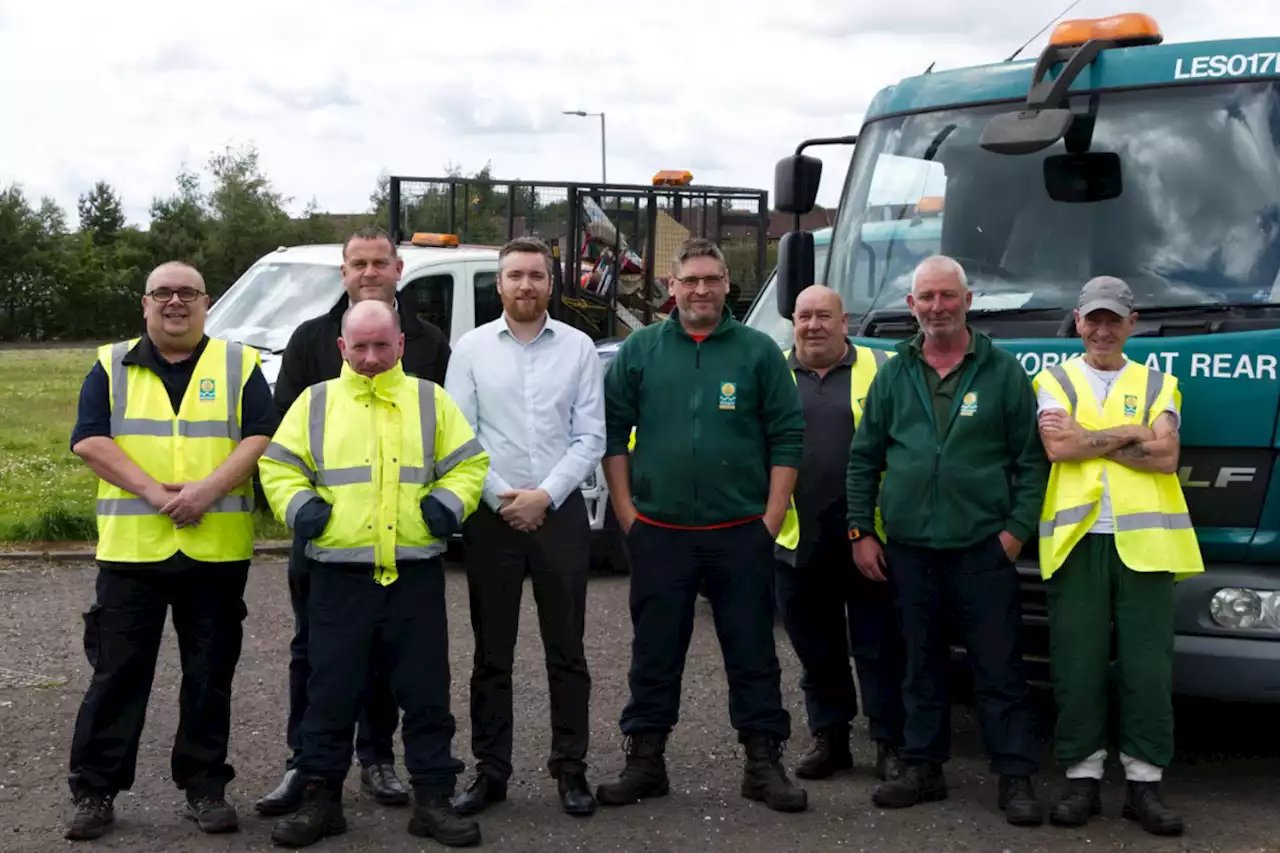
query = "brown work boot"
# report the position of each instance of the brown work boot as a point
(643, 777)
(94, 816)
(1142, 803)
(830, 754)
(765, 779)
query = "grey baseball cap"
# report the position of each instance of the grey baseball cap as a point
(1106, 293)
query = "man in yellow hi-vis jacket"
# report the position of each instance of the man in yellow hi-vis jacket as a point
(828, 608)
(375, 470)
(1114, 536)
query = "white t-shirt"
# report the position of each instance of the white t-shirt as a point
(1101, 381)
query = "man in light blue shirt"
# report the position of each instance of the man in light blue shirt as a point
(532, 389)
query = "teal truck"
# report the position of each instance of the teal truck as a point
(1110, 153)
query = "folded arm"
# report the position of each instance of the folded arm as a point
(1066, 441)
(1158, 454)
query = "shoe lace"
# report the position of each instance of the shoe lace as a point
(94, 804)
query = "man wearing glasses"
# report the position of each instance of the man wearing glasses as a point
(719, 434)
(173, 423)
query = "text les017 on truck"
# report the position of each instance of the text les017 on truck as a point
(1112, 154)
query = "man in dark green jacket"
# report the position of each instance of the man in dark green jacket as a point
(951, 426)
(719, 434)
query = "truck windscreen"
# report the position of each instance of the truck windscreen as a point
(271, 300)
(1175, 190)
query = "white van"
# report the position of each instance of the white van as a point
(454, 287)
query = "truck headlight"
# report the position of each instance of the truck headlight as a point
(1239, 608)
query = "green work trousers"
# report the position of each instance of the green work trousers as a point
(1089, 594)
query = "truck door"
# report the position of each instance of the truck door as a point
(431, 294)
(482, 280)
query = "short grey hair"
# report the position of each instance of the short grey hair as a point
(940, 263)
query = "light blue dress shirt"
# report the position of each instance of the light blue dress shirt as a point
(537, 408)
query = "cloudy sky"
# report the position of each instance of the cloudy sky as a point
(332, 92)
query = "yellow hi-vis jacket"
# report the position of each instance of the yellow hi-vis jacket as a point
(176, 448)
(866, 362)
(373, 449)
(1153, 531)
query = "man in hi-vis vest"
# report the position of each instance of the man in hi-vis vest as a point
(828, 607)
(173, 423)
(374, 471)
(1114, 537)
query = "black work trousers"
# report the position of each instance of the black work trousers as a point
(556, 557)
(667, 567)
(354, 620)
(376, 725)
(122, 633)
(830, 610)
(977, 587)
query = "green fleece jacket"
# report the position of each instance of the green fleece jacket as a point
(711, 419)
(988, 475)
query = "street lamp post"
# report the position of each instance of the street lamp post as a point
(603, 173)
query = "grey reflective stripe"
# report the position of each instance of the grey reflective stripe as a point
(427, 416)
(1154, 521)
(120, 392)
(1065, 517)
(471, 448)
(139, 506)
(277, 451)
(339, 555)
(140, 426)
(450, 500)
(315, 422)
(295, 504)
(235, 375)
(1155, 381)
(420, 552)
(1059, 373)
(208, 429)
(414, 474)
(881, 356)
(344, 476)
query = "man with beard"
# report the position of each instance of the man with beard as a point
(531, 388)
(828, 607)
(173, 423)
(719, 434)
(950, 426)
(370, 270)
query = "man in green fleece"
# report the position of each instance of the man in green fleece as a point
(951, 425)
(719, 434)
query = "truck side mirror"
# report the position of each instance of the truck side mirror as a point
(795, 269)
(795, 183)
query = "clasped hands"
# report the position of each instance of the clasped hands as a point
(524, 509)
(184, 503)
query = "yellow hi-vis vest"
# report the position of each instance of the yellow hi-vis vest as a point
(867, 361)
(1153, 531)
(373, 448)
(176, 448)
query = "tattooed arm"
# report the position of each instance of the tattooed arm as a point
(1158, 455)
(1066, 441)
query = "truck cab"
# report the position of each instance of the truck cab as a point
(1112, 153)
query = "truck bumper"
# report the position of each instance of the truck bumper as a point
(1209, 661)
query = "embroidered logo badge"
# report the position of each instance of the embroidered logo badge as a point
(969, 405)
(1130, 405)
(728, 396)
(207, 389)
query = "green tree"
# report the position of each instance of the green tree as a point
(101, 213)
(248, 217)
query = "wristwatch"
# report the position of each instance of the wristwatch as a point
(855, 534)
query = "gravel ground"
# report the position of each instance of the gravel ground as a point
(1228, 800)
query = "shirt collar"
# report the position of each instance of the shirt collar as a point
(850, 357)
(503, 328)
(917, 342)
(144, 354)
(383, 386)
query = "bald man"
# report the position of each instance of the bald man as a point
(948, 449)
(827, 606)
(374, 471)
(174, 460)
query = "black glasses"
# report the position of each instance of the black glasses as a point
(165, 294)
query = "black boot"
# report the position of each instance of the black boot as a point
(765, 779)
(380, 782)
(212, 813)
(95, 814)
(1081, 800)
(643, 777)
(888, 762)
(830, 753)
(919, 783)
(286, 798)
(479, 795)
(319, 816)
(1018, 801)
(434, 817)
(1142, 803)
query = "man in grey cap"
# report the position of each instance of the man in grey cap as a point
(1114, 537)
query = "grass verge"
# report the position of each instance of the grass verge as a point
(46, 491)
